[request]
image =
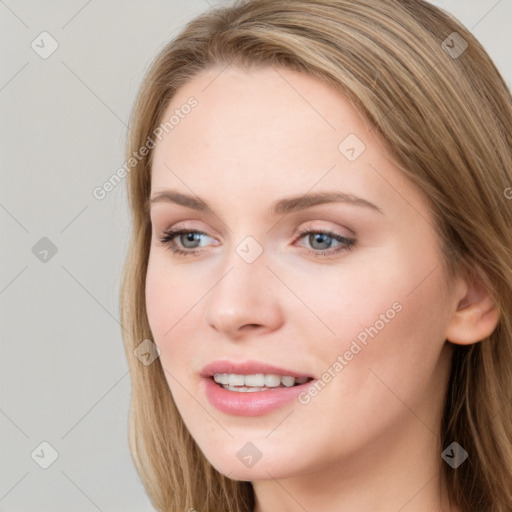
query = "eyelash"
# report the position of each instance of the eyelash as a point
(347, 243)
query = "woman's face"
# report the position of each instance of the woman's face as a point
(359, 304)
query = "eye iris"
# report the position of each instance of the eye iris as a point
(321, 238)
(189, 237)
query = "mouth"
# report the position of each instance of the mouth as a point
(251, 388)
(250, 383)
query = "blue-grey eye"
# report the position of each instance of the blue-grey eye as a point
(189, 237)
(323, 239)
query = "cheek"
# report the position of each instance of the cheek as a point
(169, 304)
(385, 354)
(159, 298)
(387, 310)
(170, 295)
(390, 337)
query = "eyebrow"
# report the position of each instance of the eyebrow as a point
(281, 207)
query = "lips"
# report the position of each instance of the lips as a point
(255, 403)
(238, 401)
(249, 368)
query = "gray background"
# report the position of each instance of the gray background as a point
(63, 375)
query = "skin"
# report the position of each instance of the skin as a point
(370, 439)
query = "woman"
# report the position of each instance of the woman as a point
(321, 258)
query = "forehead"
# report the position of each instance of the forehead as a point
(265, 113)
(266, 132)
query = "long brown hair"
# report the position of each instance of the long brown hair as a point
(439, 102)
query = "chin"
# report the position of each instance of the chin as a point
(260, 471)
(246, 463)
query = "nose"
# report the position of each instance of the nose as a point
(244, 300)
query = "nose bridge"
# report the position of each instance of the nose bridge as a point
(244, 274)
(245, 257)
(241, 294)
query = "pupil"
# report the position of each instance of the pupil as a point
(321, 237)
(191, 237)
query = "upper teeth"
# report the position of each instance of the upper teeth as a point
(257, 380)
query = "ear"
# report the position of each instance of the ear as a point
(476, 315)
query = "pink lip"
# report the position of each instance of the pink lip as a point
(252, 403)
